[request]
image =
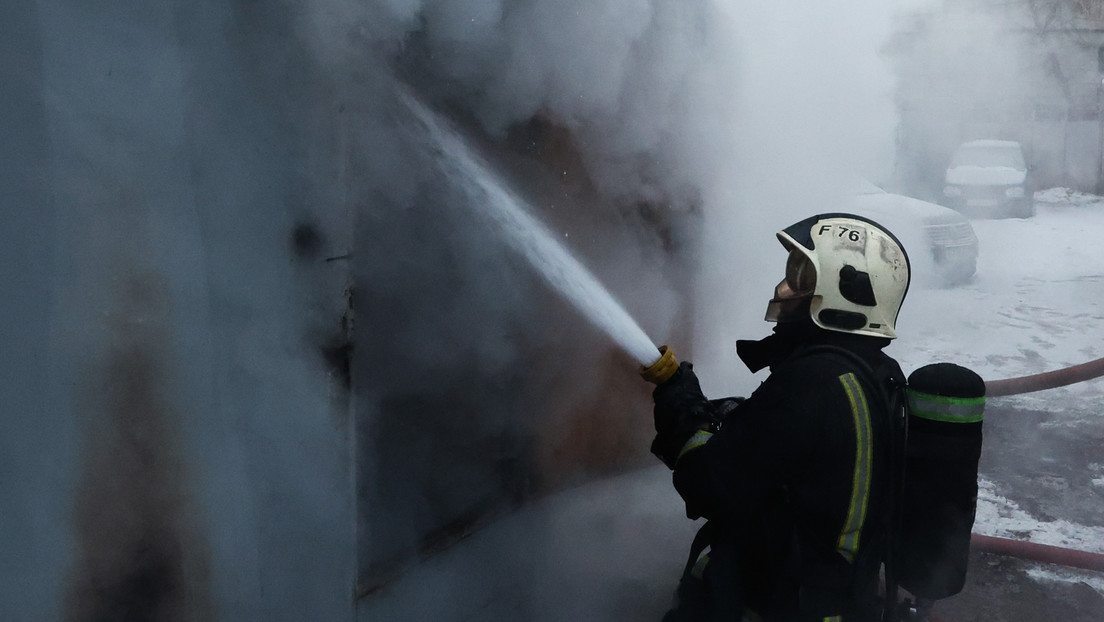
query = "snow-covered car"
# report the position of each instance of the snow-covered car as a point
(948, 238)
(989, 178)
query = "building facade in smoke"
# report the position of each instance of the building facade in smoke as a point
(496, 388)
(200, 205)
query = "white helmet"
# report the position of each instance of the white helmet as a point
(848, 273)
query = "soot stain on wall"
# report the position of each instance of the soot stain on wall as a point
(139, 556)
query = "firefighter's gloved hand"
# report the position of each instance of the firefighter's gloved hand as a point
(679, 394)
(681, 409)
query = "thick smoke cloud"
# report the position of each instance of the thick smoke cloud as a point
(1025, 71)
(622, 76)
(247, 144)
(751, 114)
(755, 113)
(744, 117)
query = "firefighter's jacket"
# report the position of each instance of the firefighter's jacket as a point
(794, 482)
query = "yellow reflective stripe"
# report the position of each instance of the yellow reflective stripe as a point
(848, 541)
(834, 619)
(700, 438)
(698, 571)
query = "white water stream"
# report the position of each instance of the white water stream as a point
(509, 214)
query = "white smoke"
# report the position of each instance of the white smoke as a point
(760, 113)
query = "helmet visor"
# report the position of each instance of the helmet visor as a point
(793, 293)
(800, 274)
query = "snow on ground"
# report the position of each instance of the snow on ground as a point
(1035, 304)
(997, 516)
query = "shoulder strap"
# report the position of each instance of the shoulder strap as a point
(891, 390)
(885, 389)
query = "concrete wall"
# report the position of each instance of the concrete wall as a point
(174, 444)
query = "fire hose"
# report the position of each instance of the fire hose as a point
(1048, 380)
(1029, 550)
(1037, 552)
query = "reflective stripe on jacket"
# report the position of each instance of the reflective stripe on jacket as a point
(796, 479)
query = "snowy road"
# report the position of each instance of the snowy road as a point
(1036, 303)
(612, 550)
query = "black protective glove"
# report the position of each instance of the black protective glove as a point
(680, 411)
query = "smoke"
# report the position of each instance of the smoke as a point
(1026, 71)
(740, 118)
(748, 115)
(814, 111)
(237, 145)
(613, 73)
(753, 113)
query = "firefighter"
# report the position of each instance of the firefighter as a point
(793, 480)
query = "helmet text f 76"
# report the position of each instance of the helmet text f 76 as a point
(845, 272)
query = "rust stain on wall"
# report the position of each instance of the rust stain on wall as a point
(141, 556)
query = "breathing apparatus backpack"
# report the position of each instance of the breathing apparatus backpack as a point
(937, 416)
(935, 496)
(936, 435)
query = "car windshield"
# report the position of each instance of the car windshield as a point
(989, 155)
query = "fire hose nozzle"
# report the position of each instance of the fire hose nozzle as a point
(664, 367)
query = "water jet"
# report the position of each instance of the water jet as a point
(510, 215)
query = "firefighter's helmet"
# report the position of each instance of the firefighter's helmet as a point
(845, 272)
